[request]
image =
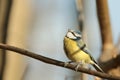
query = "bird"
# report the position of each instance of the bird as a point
(77, 51)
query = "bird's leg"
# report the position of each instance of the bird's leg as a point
(66, 63)
(81, 63)
(77, 66)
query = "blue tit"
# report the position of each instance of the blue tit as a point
(77, 51)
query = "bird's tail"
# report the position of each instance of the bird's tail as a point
(95, 65)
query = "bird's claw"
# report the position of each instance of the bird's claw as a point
(77, 67)
(66, 63)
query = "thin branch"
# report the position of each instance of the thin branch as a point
(56, 62)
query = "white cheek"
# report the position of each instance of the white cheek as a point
(70, 35)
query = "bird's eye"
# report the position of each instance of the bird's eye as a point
(77, 35)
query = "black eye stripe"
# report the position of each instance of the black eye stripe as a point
(73, 34)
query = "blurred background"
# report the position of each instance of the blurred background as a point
(40, 26)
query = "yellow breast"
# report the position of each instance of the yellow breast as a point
(73, 51)
(70, 45)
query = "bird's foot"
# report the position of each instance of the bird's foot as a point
(76, 67)
(66, 63)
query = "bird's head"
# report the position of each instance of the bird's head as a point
(74, 35)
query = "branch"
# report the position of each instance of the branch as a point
(5, 8)
(56, 62)
(105, 28)
(109, 50)
(114, 61)
(104, 21)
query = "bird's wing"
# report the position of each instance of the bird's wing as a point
(88, 52)
(84, 48)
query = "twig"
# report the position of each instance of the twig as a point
(56, 62)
